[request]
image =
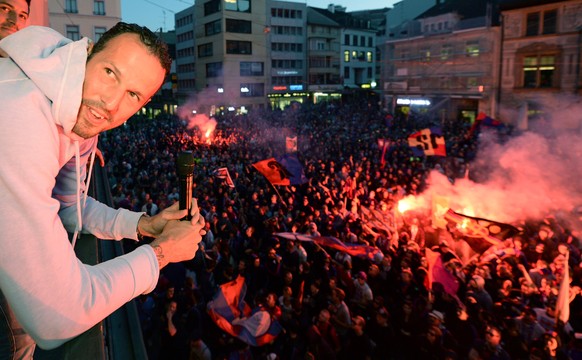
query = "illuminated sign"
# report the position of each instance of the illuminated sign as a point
(287, 72)
(220, 90)
(417, 102)
(244, 89)
(280, 88)
(365, 86)
(296, 87)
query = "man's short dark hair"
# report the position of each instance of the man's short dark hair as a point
(155, 45)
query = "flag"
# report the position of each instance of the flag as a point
(291, 144)
(563, 302)
(275, 173)
(484, 119)
(230, 313)
(438, 274)
(292, 164)
(358, 250)
(428, 142)
(383, 144)
(222, 173)
(474, 229)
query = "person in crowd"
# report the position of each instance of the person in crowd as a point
(490, 347)
(331, 154)
(85, 91)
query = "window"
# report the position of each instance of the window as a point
(347, 56)
(346, 72)
(541, 23)
(533, 24)
(346, 39)
(362, 41)
(71, 6)
(446, 52)
(472, 48)
(98, 8)
(370, 41)
(550, 20)
(252, 89)
(214, 69)
(251, 68)
(369, 56)
(238, 26)
(214, 27)
(538, 71)
(98, 32)
(239, 47)
(369, 73)
(205, 50)
(73, 32)
(212, 7)
(238, 5)
(355, 40)
(425, 54)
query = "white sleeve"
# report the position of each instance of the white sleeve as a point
(53, 295)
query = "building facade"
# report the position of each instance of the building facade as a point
(445, 64)
(185, 55)
(542, 45)
(286, 39)
(77, 19)
(323, 57)
(232, 52)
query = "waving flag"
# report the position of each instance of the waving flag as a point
(283, 171)
(358, 250)
(292, 164)
(230, 313)
(428, 142)
(438, 274)
(563, 302)
(474, 229)
(291, 144)
(222, 173)
(275, 173)
(383, 144)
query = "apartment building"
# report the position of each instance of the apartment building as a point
(231, 41)
(542, 44)
(286, 41)
(445, 62)
(323, 56)
(185, 54)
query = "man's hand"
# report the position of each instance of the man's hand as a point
(153, 226)
(178, 240)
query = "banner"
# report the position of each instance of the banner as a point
(428, 142)
(563, 302)
(292, 164)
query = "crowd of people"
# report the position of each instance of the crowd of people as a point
(332, 305)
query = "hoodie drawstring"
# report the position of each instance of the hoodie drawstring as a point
(80, 207)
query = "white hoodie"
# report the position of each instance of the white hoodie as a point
(42, 168)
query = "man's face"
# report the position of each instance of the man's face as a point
(119, 80)
(13, 16)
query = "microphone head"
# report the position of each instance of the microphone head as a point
(185, 163)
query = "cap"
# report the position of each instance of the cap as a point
(438, 315)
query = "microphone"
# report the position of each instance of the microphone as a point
(185, 170)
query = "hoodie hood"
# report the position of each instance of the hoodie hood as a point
(55, 64)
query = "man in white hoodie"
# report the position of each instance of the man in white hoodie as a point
(56, 97)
